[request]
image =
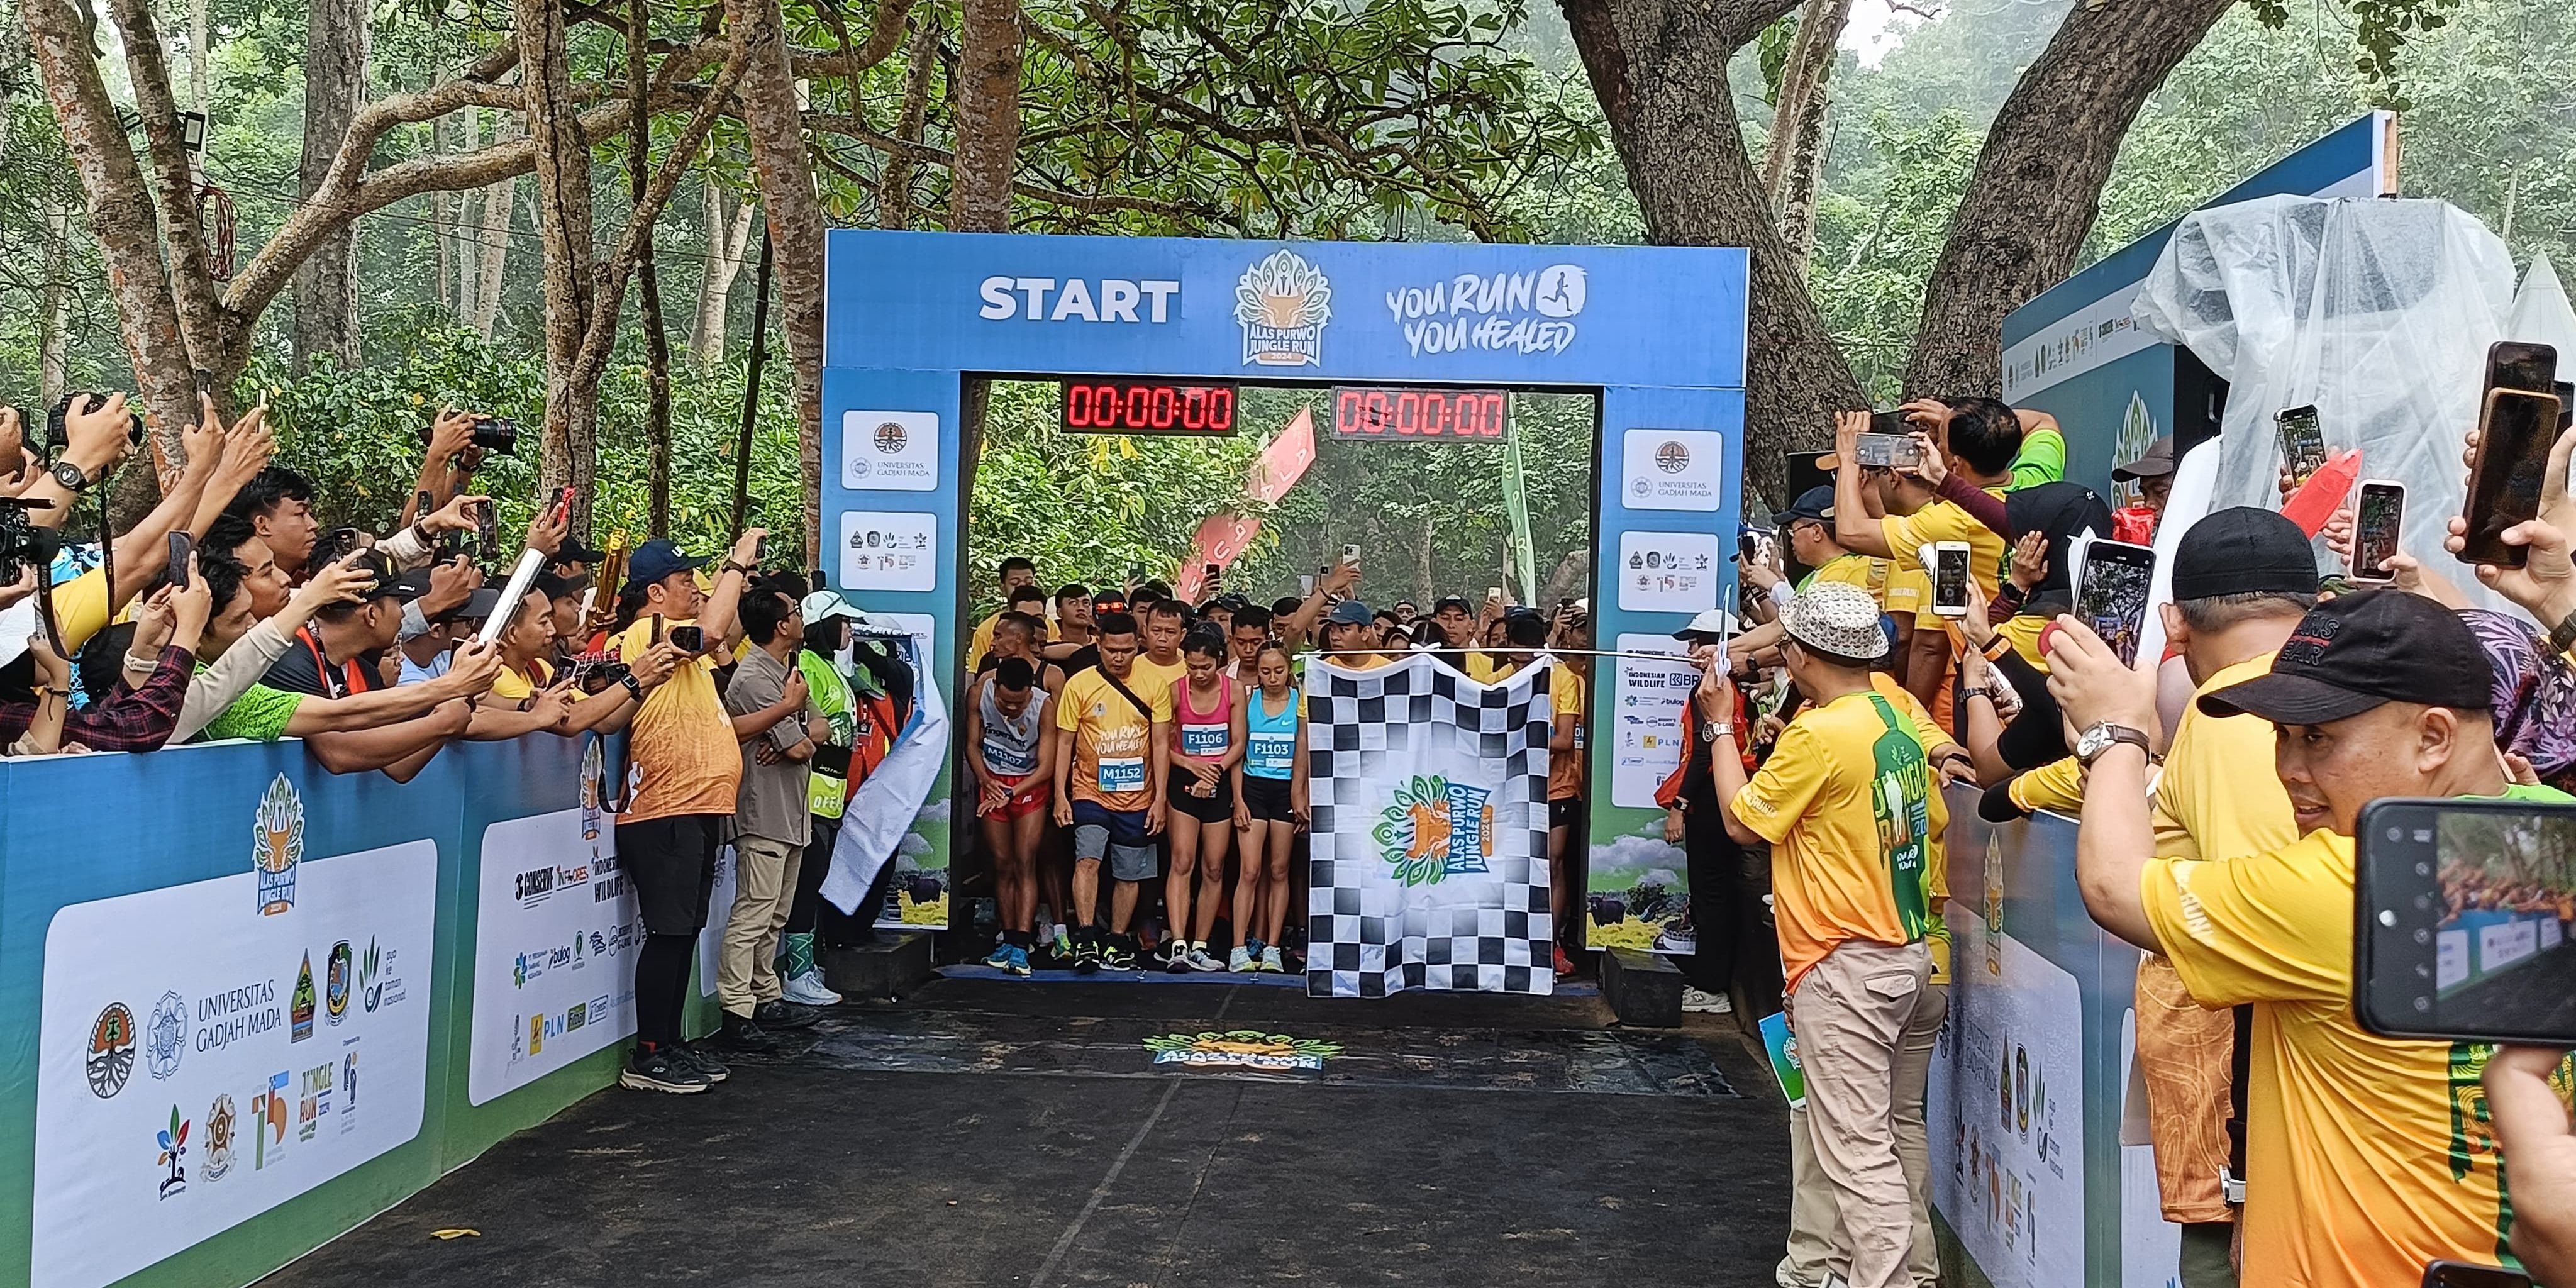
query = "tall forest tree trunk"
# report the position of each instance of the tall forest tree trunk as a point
(500, 203)
(335, 87)
(894, 182)
(118, 206)
(728, 227)
(571, 453)
(1660, 73)
(54, 318)
(1793, 163)
(774, 123)
(648, 290)
(200, 55)
(2038, 183)
(989, 44)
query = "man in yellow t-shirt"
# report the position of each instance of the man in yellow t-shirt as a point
(1818, 1251)
(1893, 514)
(1809, 527)
(683, 768)
(1566, 685)
(2366, 1157)
(1015, 572)
(1846, 803)
(1110, 789)
(2242, 579)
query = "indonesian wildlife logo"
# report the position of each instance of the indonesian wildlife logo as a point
(174, 1148)
(277, 845)
(1283, 303)
(111, 1050)
(1434, 829)
(1241, 1049)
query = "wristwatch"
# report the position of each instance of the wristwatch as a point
(2102, 737)
(745, 569)
(71, 476)
(2563, 639)
(633, 686)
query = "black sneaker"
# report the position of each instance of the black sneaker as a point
(1118, 954)
(702, 1057)
(742, 1034)
(783, 1014)
(654, 1068)
(1086, 955)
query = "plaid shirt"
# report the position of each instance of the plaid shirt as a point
(128, 718)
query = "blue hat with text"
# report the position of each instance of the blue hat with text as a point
(657, 559)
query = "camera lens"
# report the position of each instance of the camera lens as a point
(2396, 833)
(2423, 1004)
(2423, 936)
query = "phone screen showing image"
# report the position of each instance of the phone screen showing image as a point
(2376, 520)
(1885, 450)
(2113, 601)
(2303, 443)
(1950, 580)
(2513, 462)
(2474, 935)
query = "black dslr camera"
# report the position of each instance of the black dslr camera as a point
(22, 544)
(496, 435)
(53, 442)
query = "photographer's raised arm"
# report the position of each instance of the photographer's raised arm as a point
(449, 435)
(476, 666)
(94, 441)
(719, 618)
(1856, 523)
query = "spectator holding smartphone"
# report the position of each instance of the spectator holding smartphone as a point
(684, 773)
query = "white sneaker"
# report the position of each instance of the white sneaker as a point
(1197, 959)
(1706, 1003)
(1270, 959)
(1239, 961)
(808, 990)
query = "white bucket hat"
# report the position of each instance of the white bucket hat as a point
(1837, 618)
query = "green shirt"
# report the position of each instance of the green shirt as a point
(2042, 459)
(827, 793)
(259, 714)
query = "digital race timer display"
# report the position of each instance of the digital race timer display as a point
(1147, 407)
(1419, 415)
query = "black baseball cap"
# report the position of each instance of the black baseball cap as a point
(572, 551)
(1448, 602)
(2059, 511)
(2359, 651)
(2243, 551)
(1816, 503)
(2155, 462)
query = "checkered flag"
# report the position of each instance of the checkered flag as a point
(1429, 794)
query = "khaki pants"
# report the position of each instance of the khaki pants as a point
(764, 885)
(1817, 1247)
(1853, 1014)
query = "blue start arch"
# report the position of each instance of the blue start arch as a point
(1658, 333)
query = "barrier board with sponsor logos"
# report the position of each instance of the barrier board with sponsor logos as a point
(254, 1020)
(1657, 332)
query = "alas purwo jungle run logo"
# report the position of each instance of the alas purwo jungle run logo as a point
(1435, 828)
(277, 845)
(1283, 303)
(1241, 1049)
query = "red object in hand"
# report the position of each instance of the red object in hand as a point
(2135, 524)
(2323, 494)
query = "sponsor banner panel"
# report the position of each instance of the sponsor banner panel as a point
(556, 934)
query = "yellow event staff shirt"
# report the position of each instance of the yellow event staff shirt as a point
(1112, 753)
(1149, 673)
(515, 686)
(2365, 1157)
(1907, 534)
(1565, 697)
(682, 757)
(1815, 801)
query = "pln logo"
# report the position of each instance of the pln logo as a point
(1283, 303)
(277, 845)
(1436, 829)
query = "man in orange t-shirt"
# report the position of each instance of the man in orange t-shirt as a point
(684, 766)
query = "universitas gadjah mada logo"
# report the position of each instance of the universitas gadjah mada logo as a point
(1241, 1049)
(1283, 303)
(277, 845)
(1436, 828)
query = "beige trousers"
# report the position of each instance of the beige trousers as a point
(764, 884)
(1816, 1245)
(1851, 1013)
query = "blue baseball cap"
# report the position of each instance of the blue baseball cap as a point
(657, 559)
(1351, 612)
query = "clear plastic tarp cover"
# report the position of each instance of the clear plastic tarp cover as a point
(2377, 312)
